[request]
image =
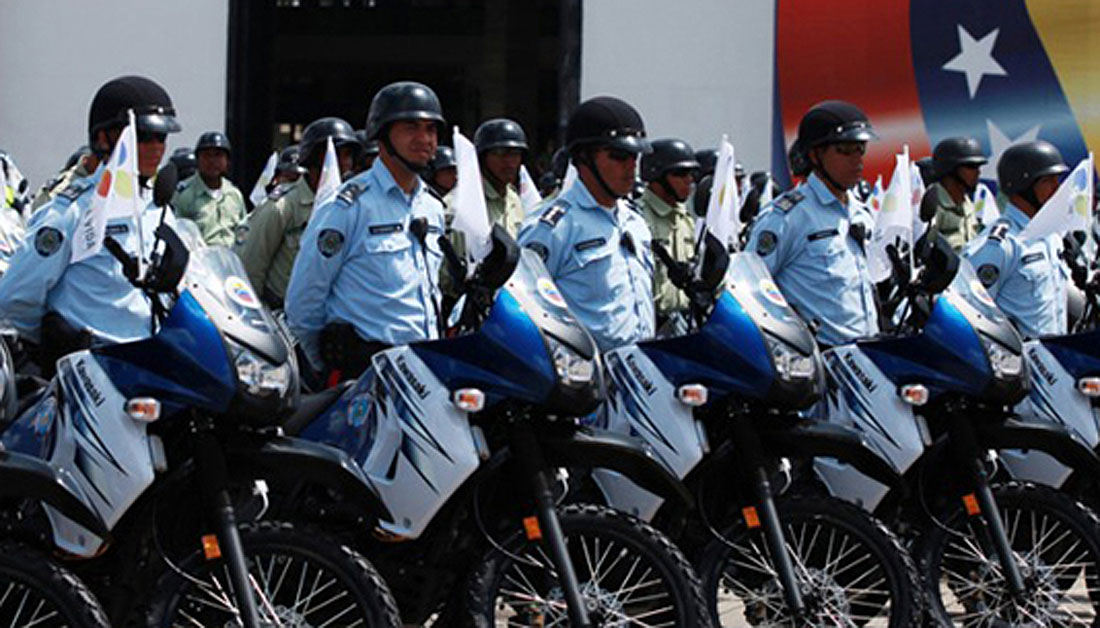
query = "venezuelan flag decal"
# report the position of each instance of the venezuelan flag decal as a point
(1001, 71)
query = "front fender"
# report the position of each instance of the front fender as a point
(592, 448)
(1049, 438)
(32, 478)
(828, 440)
(292, 460)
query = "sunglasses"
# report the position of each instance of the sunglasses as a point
(851, 148)
(681, 172)
(149, 136)
(615, 154)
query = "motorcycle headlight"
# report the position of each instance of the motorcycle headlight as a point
(1006, 364)
(789, 364)
(570, 366)
(260, 377)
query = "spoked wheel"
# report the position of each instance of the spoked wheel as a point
(300, 579)
(1054, 540)
(630, 575)
(36, 592)
(852, 571)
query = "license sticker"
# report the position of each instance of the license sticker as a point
(241, 293)
(549, 291)
(771, 292)
(980, 292)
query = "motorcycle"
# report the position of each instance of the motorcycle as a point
(464, 438)
(936, 399)
(168, 441)
(719, 404)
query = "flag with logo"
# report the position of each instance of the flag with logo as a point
(875, 201)
(528, 192)
(1068, 209)
(329, 183)
(916, 191)
(116, 195)
(985, 205)
(259, 191)
(723, 219)
(894, 223)
(471, 214)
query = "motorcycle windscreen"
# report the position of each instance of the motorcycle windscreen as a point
(752, 285)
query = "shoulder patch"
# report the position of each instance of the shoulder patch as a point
(552, 215)
(75, 189)
(47, 241)
(789, 200)
(999, 231)
(329, 242)
(766, 243)
(988, 274)
(349, 193)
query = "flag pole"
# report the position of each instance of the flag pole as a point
(137, 195)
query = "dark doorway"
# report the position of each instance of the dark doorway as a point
(293, 61)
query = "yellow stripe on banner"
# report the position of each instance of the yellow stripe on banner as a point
(1070, 32)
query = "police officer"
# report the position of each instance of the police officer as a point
(812, 238)
(369, 153)
(669, 173)
(946, 203)
(91, 300)
(209, 199)
(1026, 277)
(596, 247)
(271, 241)
(287, 169)
(442, 171)
(366, 276)
(501, 146)
(82, 163)
(185, 161)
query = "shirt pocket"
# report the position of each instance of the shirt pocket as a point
(596, 269)
(388, 261)
(832, 256)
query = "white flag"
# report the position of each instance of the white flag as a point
(471, 215)
(1069, 209)
(722, 218)
(894, 224)
(916, 189)
(117, 194)
(259, 191)
(528, 191)
(571, 176)
(985, 205)
(329, 183)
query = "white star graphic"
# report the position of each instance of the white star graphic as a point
(975, 59)
(999, 142)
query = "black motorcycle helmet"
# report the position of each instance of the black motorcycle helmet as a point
(834, 121)
(668, 155)
(708, 161)
(444, 158)
(604, 122)
(1022, 165)
(500, 133)
(953, 152)
(313, 143)
(701, 200)
(213, 139)
(153, 109)
(185, 161)
(403, 100)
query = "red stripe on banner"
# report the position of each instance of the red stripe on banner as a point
(854, 50)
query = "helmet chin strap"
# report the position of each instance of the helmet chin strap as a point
(819, 168)
(1030, 196)
(667, 187)
(585, 159)
(969, 189)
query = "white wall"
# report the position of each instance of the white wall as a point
(695, 69)
(56, 53)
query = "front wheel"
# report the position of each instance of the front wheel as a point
(851, 570)
(630, 575)
(36, 592)
(299, 578)
(1054, 542)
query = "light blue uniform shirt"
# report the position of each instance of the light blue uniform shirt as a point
(91, 294)
(360, 263)
(814, 246)
(601, 261)
(1026, 278)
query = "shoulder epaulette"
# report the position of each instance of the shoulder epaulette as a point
(552, 215)
(350, 192)
(75, 189)
(999, 231)
(789, 200)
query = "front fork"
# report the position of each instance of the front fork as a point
(213, 482)
(749, 445)
(967, 454)
(529, 456)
